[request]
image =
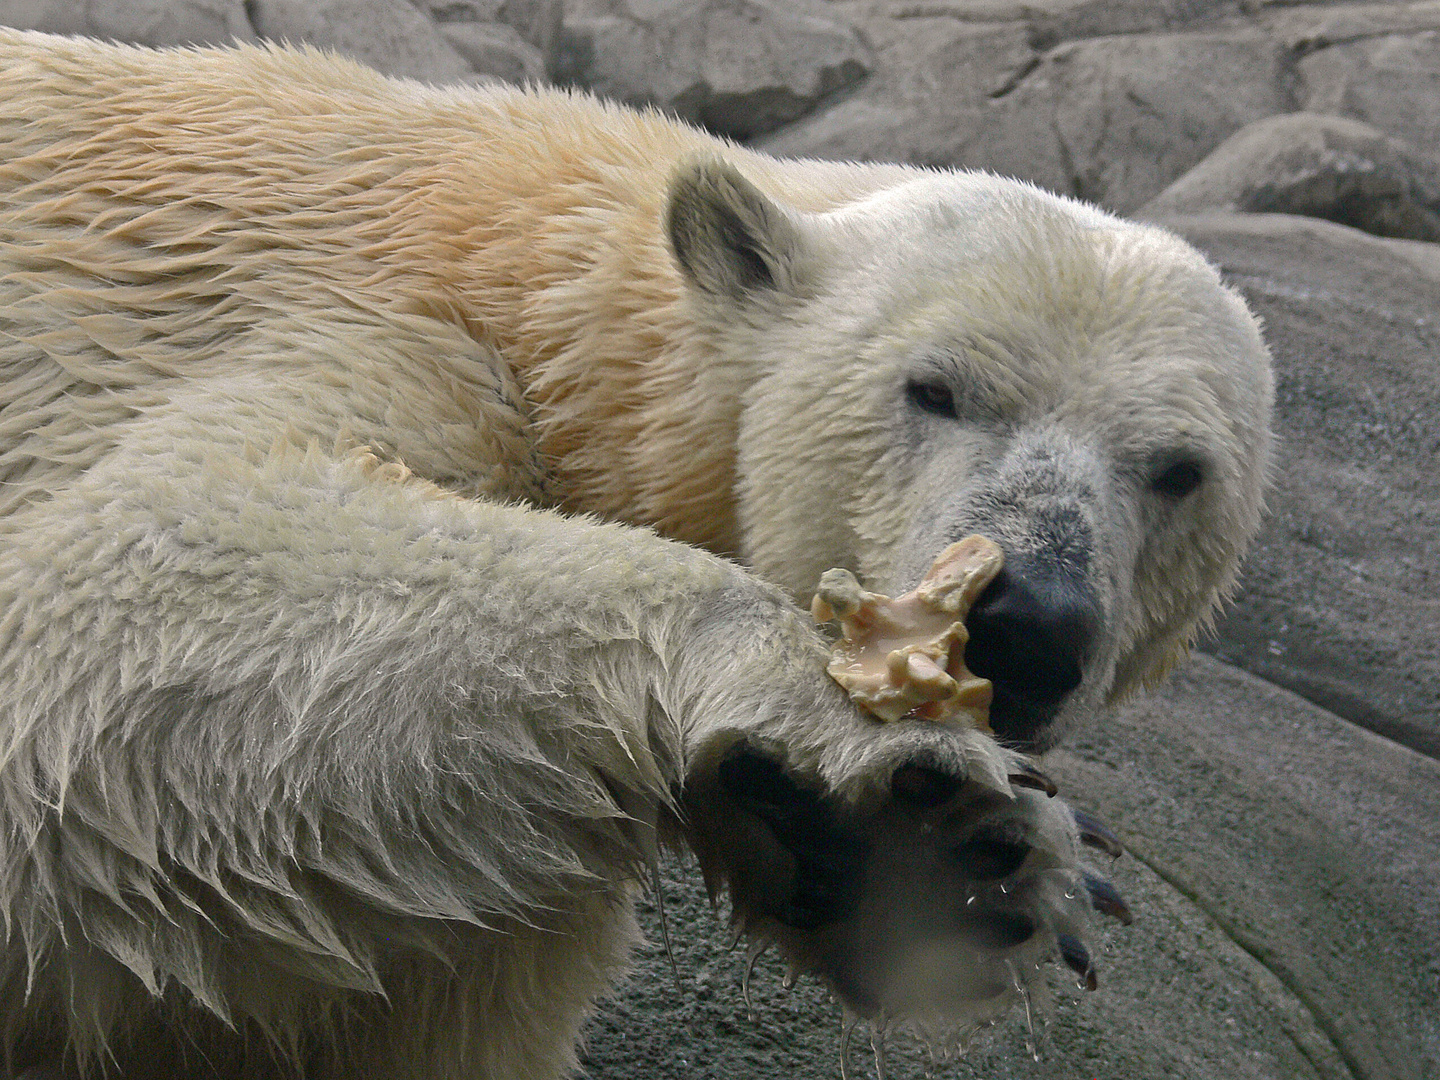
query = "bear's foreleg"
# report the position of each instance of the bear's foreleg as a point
(316, 769)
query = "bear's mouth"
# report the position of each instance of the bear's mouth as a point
(1017, 720)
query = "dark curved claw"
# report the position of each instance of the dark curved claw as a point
(1028, 775)
(1097, 834)
(1077, 959)
(1106, 899)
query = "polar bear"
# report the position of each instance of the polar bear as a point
(407, 493)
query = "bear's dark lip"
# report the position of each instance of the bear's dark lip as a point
(1019, 722)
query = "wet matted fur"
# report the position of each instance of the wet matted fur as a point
(406, 493)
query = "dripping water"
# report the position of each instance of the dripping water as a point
(664, 924)
(877, 1044)
(1023, 991)
(757, 950)
(848, 1020)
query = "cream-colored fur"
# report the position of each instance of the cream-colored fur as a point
(338, 725)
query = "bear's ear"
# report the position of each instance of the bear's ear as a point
(728, 238)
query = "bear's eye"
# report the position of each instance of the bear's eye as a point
(932, 397)
(1178, 479)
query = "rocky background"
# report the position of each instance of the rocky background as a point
(1280, 796)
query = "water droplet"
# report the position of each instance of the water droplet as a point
(664, 924)
(847, 1029)
(757, 950)
(1024, 993)
(877, 1044)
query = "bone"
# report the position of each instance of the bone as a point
(904, 657)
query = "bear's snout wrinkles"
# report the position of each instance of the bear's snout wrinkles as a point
(1031, 632)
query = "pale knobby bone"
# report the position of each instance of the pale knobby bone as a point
(905, 657)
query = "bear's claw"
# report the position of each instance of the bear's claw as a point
(1106, 899)
(1077, 959)
(1096, 834)
(1027, 775)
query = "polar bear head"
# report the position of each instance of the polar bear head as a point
(960, 353)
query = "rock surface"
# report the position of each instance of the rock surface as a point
(497, 50)
(739, 67)
(150, 22)
(1391, 81)
(1286, 867)
(536, 22)
(1341, 597)
(1112, 119)
(1316, 166)
(389, 35)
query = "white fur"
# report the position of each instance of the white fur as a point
(337, 725)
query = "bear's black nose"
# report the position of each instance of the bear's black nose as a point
(1030, 631)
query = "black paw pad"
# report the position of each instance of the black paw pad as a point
(922, 787)
(992, 852)
(991, 929)
(829, 859)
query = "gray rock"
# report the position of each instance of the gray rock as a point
(538, 22)
(1340, 600)
(1133, 114)
(1319, 166)
(1391, 81)
(1286, 929)
(1309, 843)
(52, 16)
(739, 67)
(496, 50)
(1306, 28)
(1113, 120)
(934, 100)
(390, 35)
(1050, 22)
(141, 22)
(1054, 21)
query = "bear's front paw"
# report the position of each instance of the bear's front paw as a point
(938, 905)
